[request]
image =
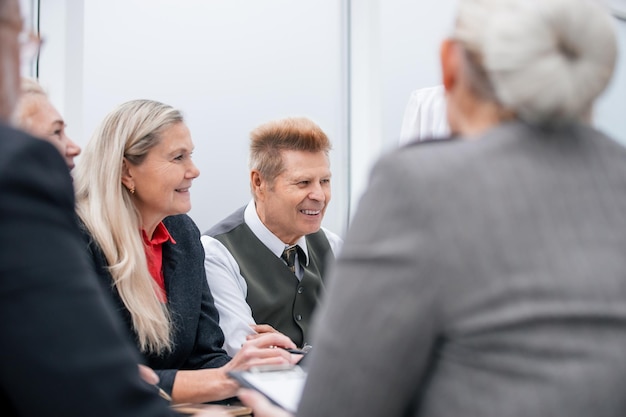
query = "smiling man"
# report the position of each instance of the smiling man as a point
(266, 262)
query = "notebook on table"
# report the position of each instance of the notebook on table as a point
(282, 385)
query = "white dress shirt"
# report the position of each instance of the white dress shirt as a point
(425, 115)
(229, 288)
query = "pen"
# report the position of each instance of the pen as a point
(294, 351)
(303, 351)
(163, 394)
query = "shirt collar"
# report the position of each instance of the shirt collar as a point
(160, 236)
(268, 238)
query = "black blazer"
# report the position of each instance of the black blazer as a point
(198, 339)
(62, 351)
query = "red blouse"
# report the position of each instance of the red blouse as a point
(154, 256)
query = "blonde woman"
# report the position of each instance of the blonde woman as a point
(133, 185)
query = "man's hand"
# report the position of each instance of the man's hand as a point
(260, 329)
(264, 349)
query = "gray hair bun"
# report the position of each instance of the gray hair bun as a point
(547, 60)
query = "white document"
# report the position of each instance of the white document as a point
(282, 385)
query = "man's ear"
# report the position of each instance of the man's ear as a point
(257, 184)
(127, 178)
(449, 57)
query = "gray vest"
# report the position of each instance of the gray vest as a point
(275, 295)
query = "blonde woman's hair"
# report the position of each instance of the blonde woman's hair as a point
(545, 60)
(107, 211)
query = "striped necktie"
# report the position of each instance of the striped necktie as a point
(289, 256)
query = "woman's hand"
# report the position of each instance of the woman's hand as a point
(148, 375)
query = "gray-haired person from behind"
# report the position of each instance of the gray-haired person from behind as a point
(486, 276)
(563, 57)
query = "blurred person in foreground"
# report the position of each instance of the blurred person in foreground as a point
(64, 351)
(256, 285)
(487, 276)
(36, 115)
(133, 190)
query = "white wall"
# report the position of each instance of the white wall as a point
(232, 64)
(395, 50)
(610, 109)
(228, 65)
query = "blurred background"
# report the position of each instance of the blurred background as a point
(230, 65)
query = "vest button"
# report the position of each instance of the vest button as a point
(298, 317)
(300, 290)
